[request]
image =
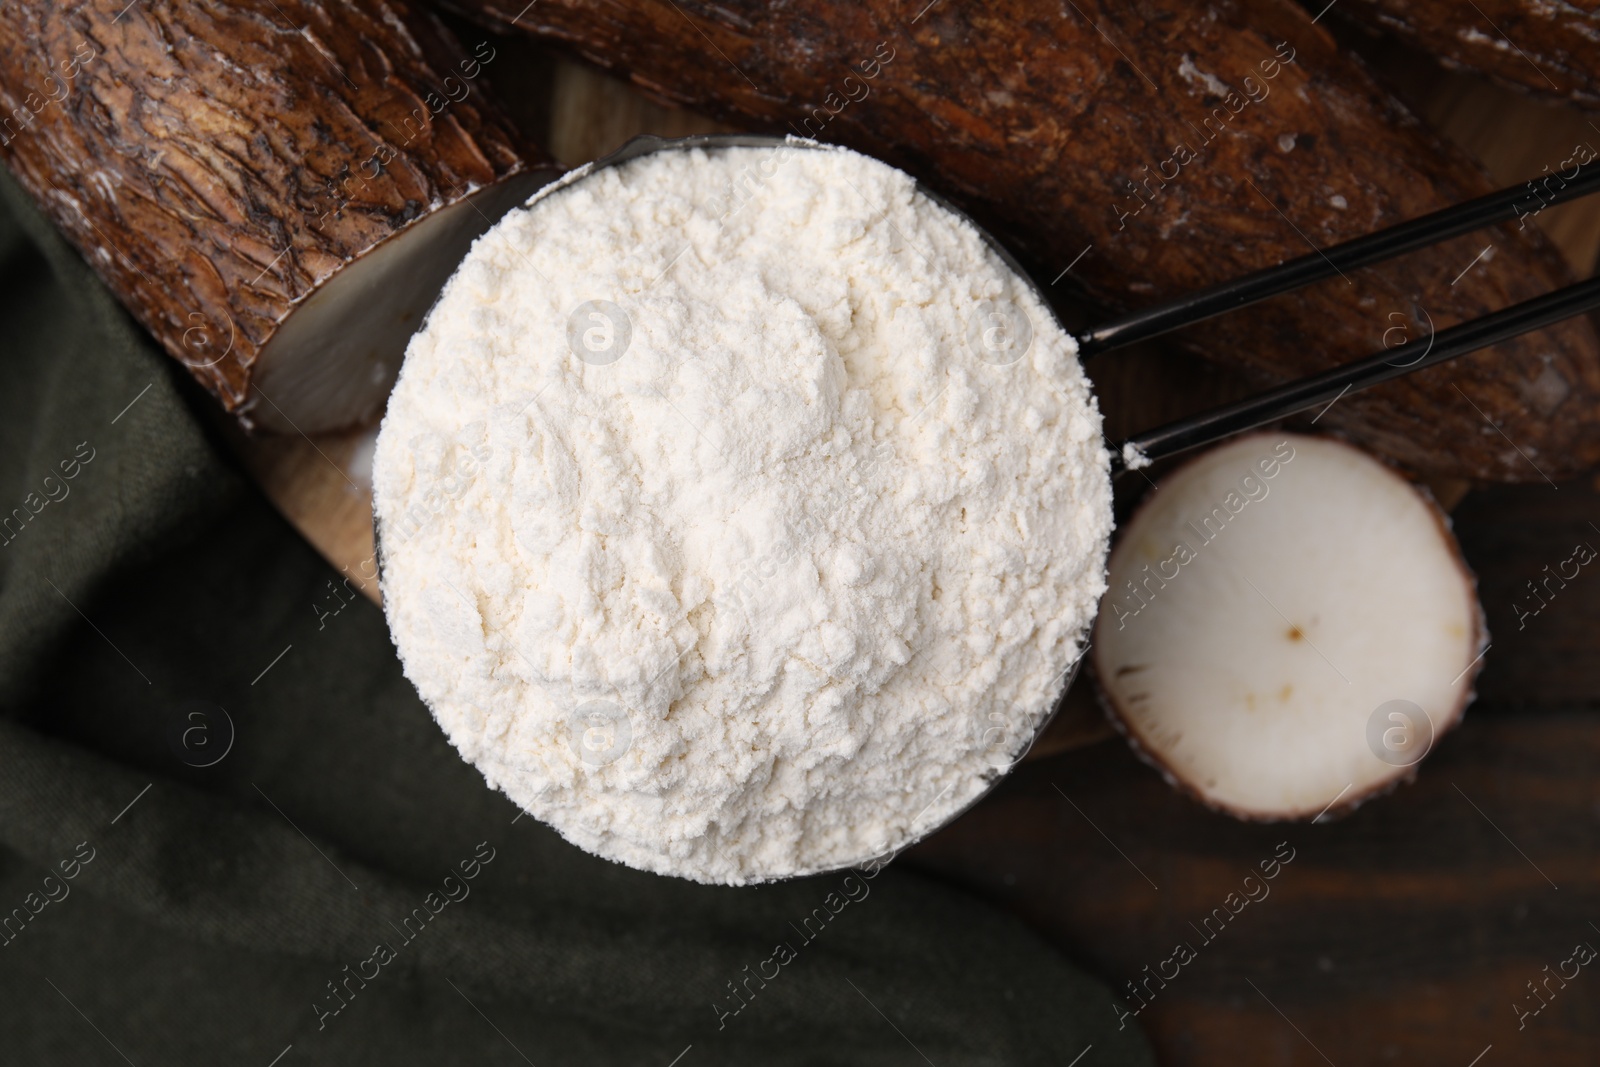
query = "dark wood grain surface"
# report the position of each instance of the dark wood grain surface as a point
(1404, 933)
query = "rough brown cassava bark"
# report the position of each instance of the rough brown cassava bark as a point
(1150, 147)
(1547, 48)
(222, 165)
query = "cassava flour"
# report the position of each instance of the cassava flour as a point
(740, 511)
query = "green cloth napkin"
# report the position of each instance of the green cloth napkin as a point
(337, 885)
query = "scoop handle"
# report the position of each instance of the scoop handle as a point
(1506, 205)
(1323, 390)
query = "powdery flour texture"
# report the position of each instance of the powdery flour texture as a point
(740, 511)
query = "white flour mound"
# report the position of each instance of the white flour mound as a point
(788, 566)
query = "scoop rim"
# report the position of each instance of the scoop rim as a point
(649, 144)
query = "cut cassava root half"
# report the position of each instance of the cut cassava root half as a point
(1146, 150)
(276, 189)
(1288, 629)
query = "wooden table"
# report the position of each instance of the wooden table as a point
(1405, 933)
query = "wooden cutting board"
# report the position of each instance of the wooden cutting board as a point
(322, 484)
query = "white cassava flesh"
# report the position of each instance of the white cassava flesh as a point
(1267, 604)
